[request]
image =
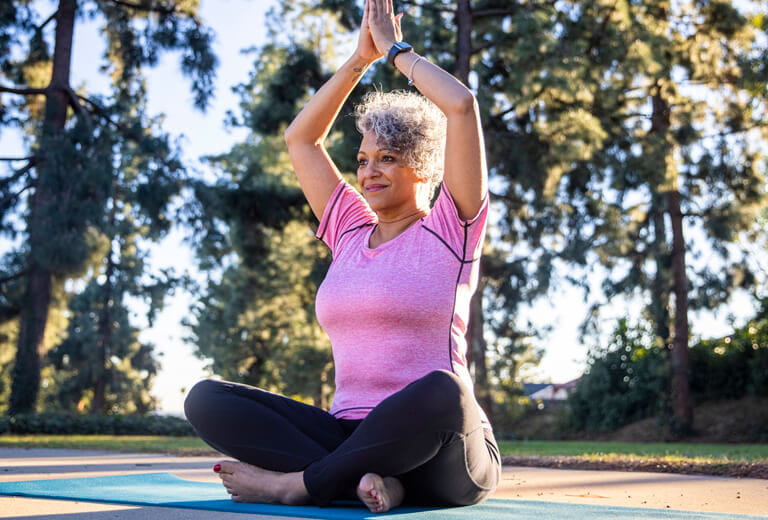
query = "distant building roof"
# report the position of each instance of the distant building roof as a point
(531, 388)
(549, 391)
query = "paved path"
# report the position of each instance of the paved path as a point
(652, 490)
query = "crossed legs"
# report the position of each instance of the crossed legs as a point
(424, 444)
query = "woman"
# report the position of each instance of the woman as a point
(404, 425)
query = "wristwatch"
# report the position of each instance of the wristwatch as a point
(396, 49)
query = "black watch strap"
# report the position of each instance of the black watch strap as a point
(396, 49)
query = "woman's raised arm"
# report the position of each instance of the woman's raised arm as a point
(465, 171)
(317, 173)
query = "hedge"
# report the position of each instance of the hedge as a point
(68, 423)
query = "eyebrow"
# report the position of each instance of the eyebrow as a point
(387, 150)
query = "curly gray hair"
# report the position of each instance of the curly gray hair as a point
(410, 125)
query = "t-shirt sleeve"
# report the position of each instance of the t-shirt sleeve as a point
(346, 210)
(463, 237)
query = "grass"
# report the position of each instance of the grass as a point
(124, 443)
(725, 452)
(735, 460)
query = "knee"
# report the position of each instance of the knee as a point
(443, 391)
(197, 404)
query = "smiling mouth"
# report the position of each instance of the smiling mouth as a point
(374, 187)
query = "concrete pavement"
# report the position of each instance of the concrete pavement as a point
(651, 490)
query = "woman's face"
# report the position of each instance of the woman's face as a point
(386, 183)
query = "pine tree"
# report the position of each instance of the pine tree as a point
(628, 141)
(69, 177)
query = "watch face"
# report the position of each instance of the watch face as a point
(396, 49)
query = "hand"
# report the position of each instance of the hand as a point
(366, 48)
(384, 25)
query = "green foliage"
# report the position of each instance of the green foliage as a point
(622, 384)
(627, 381)
(85, 358)
(733, 366)
(72, 423)
(255, 317)
(96, 173)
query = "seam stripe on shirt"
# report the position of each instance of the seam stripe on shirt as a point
(460, 259)
(327, 221)
(353, 229)
(462, 263)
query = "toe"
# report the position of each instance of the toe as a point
(227, 466)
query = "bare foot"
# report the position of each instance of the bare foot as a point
(247, 483)
(380, 494)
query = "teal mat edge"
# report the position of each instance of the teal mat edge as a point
(348, 510)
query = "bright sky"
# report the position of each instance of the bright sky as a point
(240, 24)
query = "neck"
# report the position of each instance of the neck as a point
(388, 229)
(418, 213)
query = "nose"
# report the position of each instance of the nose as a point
(369, 170)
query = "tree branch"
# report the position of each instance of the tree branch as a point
(13, 277)
(25, 91)
(152, 7)
(12, 159)
(428, 7)
(74, 102)
(504, 112)
(725, 133)
(48, 20)
(480, 48)
(98, 109)
(492, 11)
(8, 198)
(19, 173)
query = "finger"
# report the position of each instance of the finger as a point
(364, 22)
(390, 8)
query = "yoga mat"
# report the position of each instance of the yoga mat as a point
(165, 489)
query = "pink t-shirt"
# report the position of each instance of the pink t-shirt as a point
(399, 311)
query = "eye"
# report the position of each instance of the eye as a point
(361, 161)
(388, 158)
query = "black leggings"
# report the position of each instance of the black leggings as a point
(429, 435)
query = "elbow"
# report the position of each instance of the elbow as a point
(463, 104)
(289, 135)
(296, 136)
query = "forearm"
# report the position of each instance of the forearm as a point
(314, 121)
(442, 88)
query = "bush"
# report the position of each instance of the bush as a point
(731, 367)
(623, 383)
(68, 423)
(628, 381)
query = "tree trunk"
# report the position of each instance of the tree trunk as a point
(664, 156)
(25, 386)
(660, 287)
(463, 39)
(681, 402)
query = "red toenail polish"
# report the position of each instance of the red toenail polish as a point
(217, 468)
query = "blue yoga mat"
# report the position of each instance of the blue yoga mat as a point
(164, 489)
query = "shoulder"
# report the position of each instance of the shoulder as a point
(346, 210)
(464, 237)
